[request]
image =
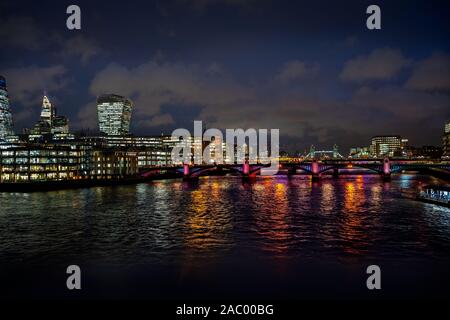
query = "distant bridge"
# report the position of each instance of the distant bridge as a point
(324, 154)
(320, 154)
(314, 168)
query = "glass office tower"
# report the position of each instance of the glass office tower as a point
(114, 114)
(446, 140)
(6, 125)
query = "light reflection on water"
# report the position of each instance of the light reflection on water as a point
(277, 217)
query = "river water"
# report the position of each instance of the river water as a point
(274, 238)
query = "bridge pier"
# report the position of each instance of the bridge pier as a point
(315, 171)
(187, 174)
(246, 174)
(386, 175)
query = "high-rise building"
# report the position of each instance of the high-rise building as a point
(44, 125)
(446, 140)
(386, 146)
(49, 122)
(48, 111)
(6, 125)
(114, 114)
(60, 124)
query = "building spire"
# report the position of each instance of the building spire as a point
(47, 110)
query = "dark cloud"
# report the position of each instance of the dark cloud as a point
(21, 32)
(380, 64)
(81, 47)
(431, 74)
(27, 84)
(157, 121)
(25, 33)
(297, 70)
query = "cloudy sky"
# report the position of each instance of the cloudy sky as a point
(310, 68)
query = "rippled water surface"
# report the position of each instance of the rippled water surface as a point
(221, 227)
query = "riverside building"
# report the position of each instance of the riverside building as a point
(386, 146)
(29, 162)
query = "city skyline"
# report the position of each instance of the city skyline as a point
(114, 115)
(333, 82)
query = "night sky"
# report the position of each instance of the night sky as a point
(310, 68)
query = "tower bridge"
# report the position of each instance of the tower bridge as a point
(324, 154)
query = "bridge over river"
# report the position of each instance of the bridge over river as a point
(314, 168)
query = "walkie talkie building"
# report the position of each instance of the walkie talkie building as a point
(114, 114)
(6, 125)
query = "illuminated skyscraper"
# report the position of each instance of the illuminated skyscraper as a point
(446, 140)
(48, 111)
(6, 125)
(49, 121)
(114, 114)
